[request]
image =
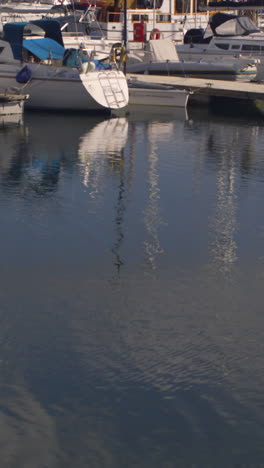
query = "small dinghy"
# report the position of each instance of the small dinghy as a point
(154, 94)
(12, 103)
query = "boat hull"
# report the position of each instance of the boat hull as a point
(196, 53)
(54, 88)
(158, 97)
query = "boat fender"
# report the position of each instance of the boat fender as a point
(91, 66)
(155, 34)
(24, 75)
(123, 55)
(86, 67)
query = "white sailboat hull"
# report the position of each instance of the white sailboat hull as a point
(62, 89)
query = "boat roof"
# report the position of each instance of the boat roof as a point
(14, 34)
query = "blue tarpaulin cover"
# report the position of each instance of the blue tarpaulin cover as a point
(44, 48)
(13, 33)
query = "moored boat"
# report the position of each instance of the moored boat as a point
(160, 58)
(226, 36)
(33, 58)
(143, 93)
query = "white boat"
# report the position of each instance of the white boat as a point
(225, 36)
(143, 93)
(161, 58)
(106, 18)
(141, 19)
(23, 11)
(54, 77)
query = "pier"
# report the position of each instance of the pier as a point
(203, 89)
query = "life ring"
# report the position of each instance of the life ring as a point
(155, 34)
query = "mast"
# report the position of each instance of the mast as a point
(125, 32)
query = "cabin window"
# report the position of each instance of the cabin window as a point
(235, 47)
(1, 49)
(139, 18)
(182, 6)
(251, 47)
(163, 18)
(222, 45)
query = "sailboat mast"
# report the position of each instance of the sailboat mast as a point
(125, 24)
(125, 33)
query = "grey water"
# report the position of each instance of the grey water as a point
(131, 290)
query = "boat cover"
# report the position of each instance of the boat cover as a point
(44, 48)
(161, 51)
(224, 24)
(13, 33)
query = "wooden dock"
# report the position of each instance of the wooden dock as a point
(203, 89)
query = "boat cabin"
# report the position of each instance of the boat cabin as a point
(235, 34)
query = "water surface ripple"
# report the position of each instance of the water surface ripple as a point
(131, 290)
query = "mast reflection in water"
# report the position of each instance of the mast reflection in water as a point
(131, 290)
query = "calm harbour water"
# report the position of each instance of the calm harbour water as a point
(132, 272)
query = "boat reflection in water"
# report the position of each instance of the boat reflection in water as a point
(233, 152)
(45, 152)
(123, 341)
(107, 139)
(11, 120)
(103, 147)
(158, 125)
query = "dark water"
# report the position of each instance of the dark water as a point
(132, 273)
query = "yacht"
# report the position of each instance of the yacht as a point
(161, 58)
(140, 18)
(226, 35)
(33, 60)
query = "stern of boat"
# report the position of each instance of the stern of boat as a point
(108, 88)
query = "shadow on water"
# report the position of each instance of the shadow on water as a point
(241, 111)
